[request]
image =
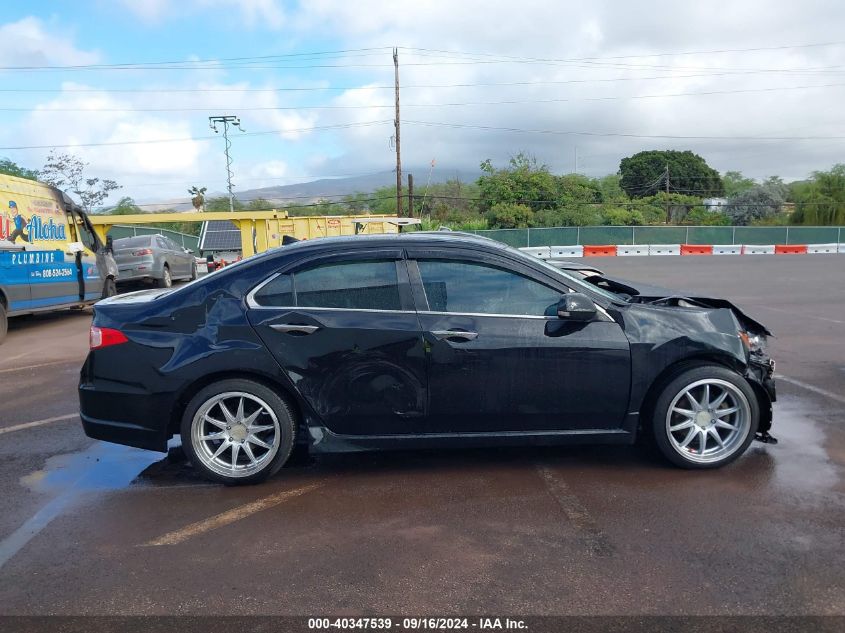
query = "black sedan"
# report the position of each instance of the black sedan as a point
(420, 339)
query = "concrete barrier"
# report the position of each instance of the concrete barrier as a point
(696, 249)
(817, 249)
(727, 249)
(790, 249)
(565, 252)
(758, 249)
(543, 252)
(636, 250)
(842, 248)
(664, 249)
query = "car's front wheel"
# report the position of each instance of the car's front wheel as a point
(705, 417)
(238, 431)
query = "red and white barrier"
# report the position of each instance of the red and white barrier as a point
(600, 251)
(758, 249)
(664, 249)
(640, 250)
(727, 249)
(819, 249)
(543, 252)
(565, 252)
(632, 251)
(696, 249)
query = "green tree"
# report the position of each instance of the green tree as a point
(821, 201)
(759, 203)
(644, 174)
(197, 197)
(523, 182)
(13, 169)
(67, 171)
(506, 215)
(699, 216)
(124, 206)
(735, 183)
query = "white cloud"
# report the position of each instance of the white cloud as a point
(28, 42)
(265, 13)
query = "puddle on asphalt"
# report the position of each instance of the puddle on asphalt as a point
(802, 460)
(105, 466)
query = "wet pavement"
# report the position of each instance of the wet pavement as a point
(93, 528)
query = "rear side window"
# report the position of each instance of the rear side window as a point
(278, 292)
(470, 287)
(359, 285)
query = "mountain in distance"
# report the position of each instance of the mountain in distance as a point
(332, 188)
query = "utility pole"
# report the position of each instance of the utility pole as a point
(668, 219)
(396, 135)
(410, 195)
(226, 120)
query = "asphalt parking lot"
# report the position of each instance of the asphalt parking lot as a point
(92, 528)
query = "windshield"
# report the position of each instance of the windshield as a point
(572, 280)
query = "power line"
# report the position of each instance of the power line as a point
(492, 84)
(200, 138)
(620, 134)
(439, 105)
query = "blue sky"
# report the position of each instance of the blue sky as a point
(480, 80)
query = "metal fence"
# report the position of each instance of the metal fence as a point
(599, 235)
(126, 230)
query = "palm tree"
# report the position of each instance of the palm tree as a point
(198, 197)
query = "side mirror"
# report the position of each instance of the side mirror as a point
(576, 306)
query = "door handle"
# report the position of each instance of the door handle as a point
(289, 328)
(461, 334)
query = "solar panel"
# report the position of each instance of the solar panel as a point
(220, 235)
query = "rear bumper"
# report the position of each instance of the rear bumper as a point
(135, 273)
(124, 416)
(123, 433)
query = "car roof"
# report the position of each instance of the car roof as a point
(414, 238)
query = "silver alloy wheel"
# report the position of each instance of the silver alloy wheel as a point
(167, 280)
(708, 420)
(235, 434)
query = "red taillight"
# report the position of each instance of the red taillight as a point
(100, 337)
(143, 251)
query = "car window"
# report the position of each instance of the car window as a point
(359, 285)
(470, 287)
(160, 243)
(370, 285)
(278, 292)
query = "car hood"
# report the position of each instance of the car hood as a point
(656, 295)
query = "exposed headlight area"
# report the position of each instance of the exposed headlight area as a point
(754, 343)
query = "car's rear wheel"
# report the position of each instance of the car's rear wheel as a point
(193, 271)
(238, 431)
(705, 417)
(166, 280)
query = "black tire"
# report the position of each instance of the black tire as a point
(4, 322)
(283, 412)
(193, 271)
(109, 287)
(735, 442)
(166, 280)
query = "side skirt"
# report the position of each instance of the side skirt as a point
(322, 440)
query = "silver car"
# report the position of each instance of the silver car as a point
(153, 257)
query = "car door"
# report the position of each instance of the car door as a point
(184, 260)
(500, 359)
(344, 330)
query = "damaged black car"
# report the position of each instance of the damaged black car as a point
(420, 340)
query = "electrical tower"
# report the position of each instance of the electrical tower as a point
(226, 120)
